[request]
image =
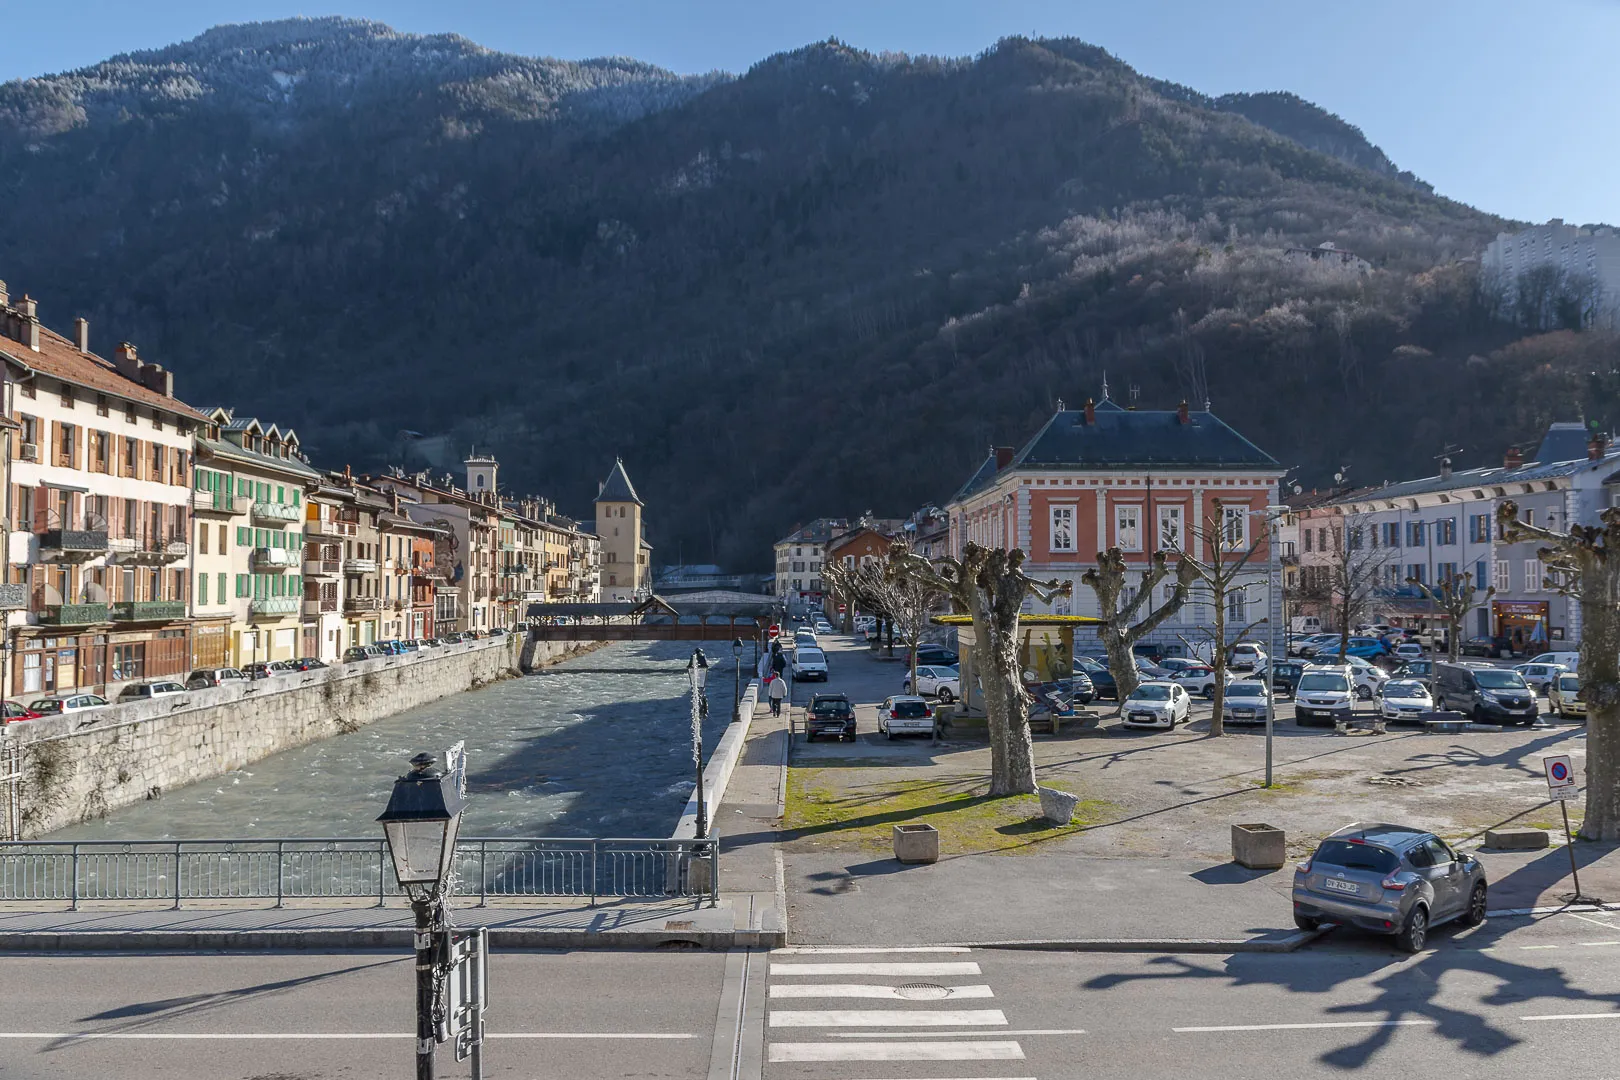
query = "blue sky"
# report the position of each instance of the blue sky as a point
(1513, 107)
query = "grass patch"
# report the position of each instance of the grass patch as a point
(853, 813)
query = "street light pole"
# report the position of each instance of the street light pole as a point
(1272, 617)
(736, 681)
(698, 671)
(427, 911)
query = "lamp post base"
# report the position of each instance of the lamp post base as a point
(426, 961)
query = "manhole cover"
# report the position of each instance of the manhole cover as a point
(921, 991)
(1393, 781)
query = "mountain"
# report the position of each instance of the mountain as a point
(822, 286)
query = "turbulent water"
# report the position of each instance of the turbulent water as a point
(596, 746)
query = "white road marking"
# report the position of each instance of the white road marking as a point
(1595, 922)
(1306, 1027)
(870, 990)
(965, 967)
(238, 1036)
(950, 1034)
(1575, 1016)
(896, 1051)
(1528, 948)
(885, 1018)
(811, 950)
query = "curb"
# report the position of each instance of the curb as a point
(1285, 944)
(347, 940)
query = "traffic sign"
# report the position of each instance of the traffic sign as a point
(467, 993)
(1561, 784)
(773, 631)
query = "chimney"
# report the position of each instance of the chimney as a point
(30, 322)
(1004, 456)
(1595, 448)
(1445, 468)
(1181, 413)
(126, 363)
(1513, 458)
(155, 378)
(5, 295)
(1091, 411)
(81, 334)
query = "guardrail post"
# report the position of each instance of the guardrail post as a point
(281, 863)
(382, 871)
(714, 872)
(593, 873)
(73, 871)
(177, 875)
(483, 873)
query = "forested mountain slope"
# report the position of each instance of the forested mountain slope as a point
(823, 286)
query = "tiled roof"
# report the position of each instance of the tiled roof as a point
(1564, 441)
(617, 487)
(981, 477)
(229, 451)
(59, 358)
(818, 531)
(1475, 478)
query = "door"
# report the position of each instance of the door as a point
(1435, 863)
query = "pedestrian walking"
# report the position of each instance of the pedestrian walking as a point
(776, 691)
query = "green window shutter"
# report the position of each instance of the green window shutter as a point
(241, 585)
(295, 496)
(202, 588)
(219, 586)
(281, 494)
(275, 586)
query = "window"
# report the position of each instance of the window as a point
(1355, 538)
(1480, 577)
(1063, 528)
(1128, 527)
(1414, 572)
(1532, 575)
(67, 396)
(64, 451)
(1170, 528)
(157, 420)
(102, 442)
(1503, 580)
(1321, 539)
(101, 404)
(1237, 605)
(1392, 534)
(224, 548)
(202, 544)
(1445, 572)
(1445, 531)
(157, 462)
(129, 414)
(1414, 534)
(1479, 529)
(1235, 527)
(1392, 576)
(1306, 533)
(1529, 516)
(132, 450)
(30, 429)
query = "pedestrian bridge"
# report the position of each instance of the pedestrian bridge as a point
(724, 617)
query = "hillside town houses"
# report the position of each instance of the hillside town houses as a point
(147, 537)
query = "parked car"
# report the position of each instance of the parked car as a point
(259, 671)
(1102, 680)
(1318, 644)
(1486, 694)
(942, 682)
(809, 664)
(1480, 646)
(1245, 702)
(356, 653)
(1404, 701)
(905, 715)
(1539, 676)
(204, 677)
(1246, 656)
(1366, 648)
(1149, 651)
(1195, 679)
(1408, 650)
(149, 690)
(1285, 676)
(1149, 669)
(66, 703)
(1389, 879)
(1082, 690)
(283, 667)
(1324, 695)
(10, 712)
(1367, 677)
(805, 639)
(829, 714)
(937, 655)
(1571, 660)
(391, 648)
(497, 631)
(1157, 704)
(308, 663)
(1414, 669)
(1564, 696)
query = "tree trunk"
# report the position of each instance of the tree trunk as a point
(1012, 751)
(1121, 664)
(1217, 656)
(1600, 686)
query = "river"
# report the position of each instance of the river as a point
(599, 745)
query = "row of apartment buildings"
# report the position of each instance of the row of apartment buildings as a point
(146, 537)
(801, 554)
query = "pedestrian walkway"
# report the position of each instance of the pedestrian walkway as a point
(746, 822)
(900, 1007)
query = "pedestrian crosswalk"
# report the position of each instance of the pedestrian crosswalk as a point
(913, 1005)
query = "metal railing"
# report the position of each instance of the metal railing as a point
(175, 871)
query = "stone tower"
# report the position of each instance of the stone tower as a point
(626, 570)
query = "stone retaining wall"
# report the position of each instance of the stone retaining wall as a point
(82, 766)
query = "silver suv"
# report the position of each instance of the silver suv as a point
(1389, 879)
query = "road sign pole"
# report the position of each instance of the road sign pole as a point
(1569, 845)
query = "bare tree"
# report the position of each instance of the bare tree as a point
(1352, 584)
(989, 585)
(908, 599)
(1229, 557)
(1455, 596)
(844, 583)
(1588, 559)
(1109, 579)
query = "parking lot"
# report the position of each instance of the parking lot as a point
(1171, 793)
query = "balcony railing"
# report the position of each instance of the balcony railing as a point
(148, 610)
(324, 566)
(71, 614)
(148, 549)
(275, 513)
(325, 605)
(332, 527)
(359, 566)
(274, 605)
(268, 558)
(360, 605)
(429, 572)
(213, 502)
(85, 542)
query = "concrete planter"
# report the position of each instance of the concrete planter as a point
(1259, 847)
(916, 843)
(1057, 806)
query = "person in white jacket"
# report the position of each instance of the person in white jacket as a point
(776, 692)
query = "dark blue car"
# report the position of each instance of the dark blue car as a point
(1102, 680)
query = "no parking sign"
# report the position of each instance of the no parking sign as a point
(1561, 784)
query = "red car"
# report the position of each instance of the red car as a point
(10, 711)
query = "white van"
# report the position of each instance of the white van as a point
(1571, 660)
(1305, 625)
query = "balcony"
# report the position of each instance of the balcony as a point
(72, 614)
(146, 550)
(508, 546)
(268, 558)
(148, 610)
(74, 544)
(276, 513)
(322, 567)
(13, 597)
(428, 572)
(359, 566)
(213, 502)
(360, 605)
(326, 605)
(331, 527)
(275, 605)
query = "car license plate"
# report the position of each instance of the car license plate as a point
(1247, 714)
(1143, 718)
(1336, 885)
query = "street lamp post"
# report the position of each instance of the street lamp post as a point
(736, 681)
(1273, 617)
(697, 670)
(420, 825)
